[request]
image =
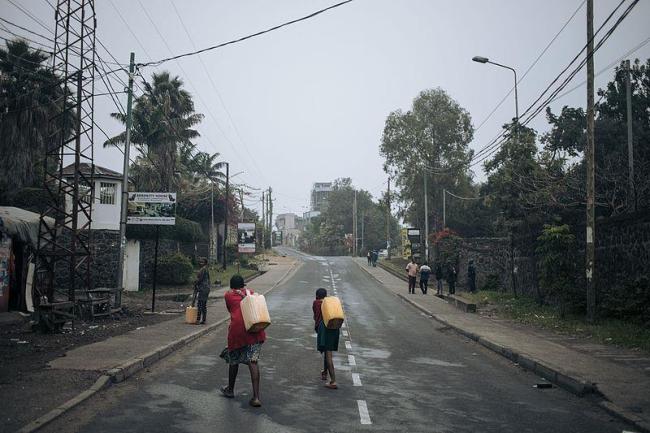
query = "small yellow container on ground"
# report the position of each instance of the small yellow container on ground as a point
(332, 311)
(191, 314)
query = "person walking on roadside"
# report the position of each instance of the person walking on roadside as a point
(412, 271)
(202, 290)
(243, 347)
(471, 276)
(327, 340)
(451, 278)
(369, 258)
(375, 256)
(438, 279)
(425, 271)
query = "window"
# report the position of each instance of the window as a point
(107, 193)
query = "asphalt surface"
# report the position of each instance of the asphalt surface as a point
(397, 370)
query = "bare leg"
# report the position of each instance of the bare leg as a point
(232, 376)
(255, 379)
(330, 366)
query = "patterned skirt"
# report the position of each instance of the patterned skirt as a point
(242, 355)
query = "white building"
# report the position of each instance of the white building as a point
(108, 197)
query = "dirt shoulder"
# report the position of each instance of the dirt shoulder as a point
(30, 388)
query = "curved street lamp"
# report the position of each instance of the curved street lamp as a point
(480, 59)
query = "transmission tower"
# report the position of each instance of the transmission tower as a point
(64, 243)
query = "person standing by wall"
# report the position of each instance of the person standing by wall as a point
(412, 271)
(425, 271)
(202, 290)
(471, 276)
(451, 278)
(438, 278)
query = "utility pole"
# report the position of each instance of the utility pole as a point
(363, 220)
(589, 156)
(270, 217)
(426, 217)
(125, 185)
(225, 218)
(630, 148)
(213, 243)
(388, 219)
(263, 237)
(444, 208)
(354, 224)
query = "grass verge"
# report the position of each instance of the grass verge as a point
(526, 310)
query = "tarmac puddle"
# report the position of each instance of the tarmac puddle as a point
(435, 362)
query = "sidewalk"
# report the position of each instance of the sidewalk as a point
(117, 358)
(580, 368)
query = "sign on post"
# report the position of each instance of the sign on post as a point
(155, 208)
(246, 238)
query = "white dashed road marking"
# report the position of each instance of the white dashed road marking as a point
(348, 345)
(363, 412)
(345, 333)
(356, 380)
(351, 360)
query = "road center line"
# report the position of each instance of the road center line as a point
(363, 412)
(356, 380)
(351, 360)
(348, 345)
(345, 333)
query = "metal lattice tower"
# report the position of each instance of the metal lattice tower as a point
(64, 243)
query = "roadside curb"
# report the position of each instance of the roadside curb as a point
(133, 366)
(573, 383)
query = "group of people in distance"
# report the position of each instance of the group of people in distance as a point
(413, 269)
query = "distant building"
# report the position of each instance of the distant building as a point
(289, 226)
(319, 196)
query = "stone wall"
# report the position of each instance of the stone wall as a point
(622, 254)
(106, 254)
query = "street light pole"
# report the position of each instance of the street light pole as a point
(225, 218)
(480, 59)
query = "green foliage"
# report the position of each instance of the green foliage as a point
(556, 250)
(174, 268)
(492, 283)
(183, 231)
(30, 95)
(447, 244)
(629, 300)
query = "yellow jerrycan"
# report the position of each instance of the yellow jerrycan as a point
(332, 311)
(191, 313)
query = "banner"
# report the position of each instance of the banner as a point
(246, 237)
(156, 208)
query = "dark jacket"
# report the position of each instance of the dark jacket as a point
(438, 272)
(202, 284)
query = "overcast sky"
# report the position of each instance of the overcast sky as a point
(308, 103)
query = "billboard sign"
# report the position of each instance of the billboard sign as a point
(155, 208)
(246, 238)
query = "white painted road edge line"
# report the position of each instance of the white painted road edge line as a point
(363, 412)
(356, 380)
(351, 360)
(348, 345)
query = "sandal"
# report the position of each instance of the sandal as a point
(323, 375)
(227, 392)
(255, 402)
(331, 385)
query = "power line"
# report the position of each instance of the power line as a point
(26, 29)
(532, 65)
(243, 38)
(25, 38)
(32, 17)
(214, 86)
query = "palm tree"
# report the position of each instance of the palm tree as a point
(163, 121)
(30, 96)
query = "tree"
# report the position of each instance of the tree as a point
(430, 140)
(30, 96)
(163, 121)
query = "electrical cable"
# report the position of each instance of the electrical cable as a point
(243, 38)
(36, 20)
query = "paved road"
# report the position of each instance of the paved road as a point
(398, 370)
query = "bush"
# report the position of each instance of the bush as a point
(557, 267)
(492, 283)
(174, 268)
(628, 301)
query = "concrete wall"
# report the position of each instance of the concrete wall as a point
(104, 216)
